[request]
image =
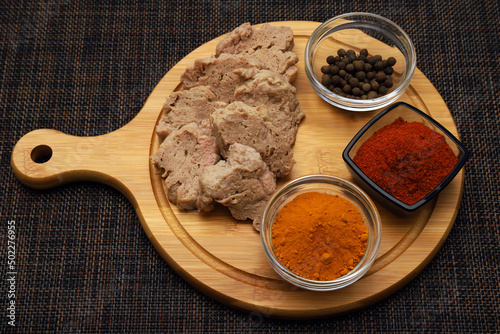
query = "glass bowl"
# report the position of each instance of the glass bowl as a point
(409, 114)
(357, 31)
(331, 185)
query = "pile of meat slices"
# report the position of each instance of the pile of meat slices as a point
(229, 133)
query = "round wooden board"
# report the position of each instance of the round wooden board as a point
(220, 256)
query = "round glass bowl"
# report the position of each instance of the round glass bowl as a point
(385, 117)
(357, 31)
(330, 185)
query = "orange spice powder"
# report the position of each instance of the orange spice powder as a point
(319, 236)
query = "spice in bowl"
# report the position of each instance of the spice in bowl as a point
(406, 159)
(318, 227)
(358, 76)
(362, 33)
(403, 158)
(319, 236)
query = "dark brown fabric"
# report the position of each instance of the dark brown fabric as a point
(83, 262)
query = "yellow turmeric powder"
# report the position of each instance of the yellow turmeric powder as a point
(319, 236)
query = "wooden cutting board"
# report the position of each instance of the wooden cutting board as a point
(222, 257)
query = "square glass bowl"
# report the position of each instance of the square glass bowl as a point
(357, 31)
(409, 114)
(334, 186)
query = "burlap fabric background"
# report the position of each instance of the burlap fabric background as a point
(85, 68)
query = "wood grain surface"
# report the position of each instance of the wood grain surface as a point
(220, 256)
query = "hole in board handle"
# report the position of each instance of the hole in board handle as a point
(41, 154)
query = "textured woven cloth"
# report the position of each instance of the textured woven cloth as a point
(85, 68)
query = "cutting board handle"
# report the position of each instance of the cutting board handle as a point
(47, 158)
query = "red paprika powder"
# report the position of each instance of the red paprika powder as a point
(406, 159)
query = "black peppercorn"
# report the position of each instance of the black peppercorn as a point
(380, 76)
(325, 69)
(359, 65)
(334, 69)
(391, 61)
(326, 80)
(342, 73)
(330, 60)
(341, 52)
(356, 91)
(388, 70)
(336, 80)
(382, 90)
(363, 52)
(354, 82)
(366, 87)
(360, 75)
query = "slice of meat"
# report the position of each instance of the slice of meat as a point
(188, 106)
(251, 126)
(222, 74)
(270, 89)
(280, 62)
(269, 45)
(244, 39)
(243, 183)
(182, 156)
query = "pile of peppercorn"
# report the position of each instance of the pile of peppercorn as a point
(358, 77)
